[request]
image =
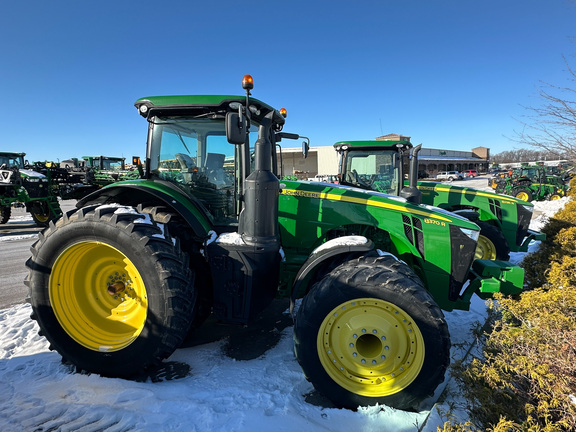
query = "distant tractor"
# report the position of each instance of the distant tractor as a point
(105, 170)
(532, 183)
(118, 283)
(21, 184)
(383, 165)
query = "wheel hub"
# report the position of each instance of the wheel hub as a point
(98, 296)
(485, 249)
(116, 288)
(371, 347)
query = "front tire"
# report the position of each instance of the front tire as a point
(370, 333)
(110, 290)
(523, 193)
(42, 213)
(492, 244)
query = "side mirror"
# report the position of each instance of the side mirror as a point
(305, 148)
(235, 128)
(286, 135)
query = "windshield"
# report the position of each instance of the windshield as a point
(195, 154)
(113, 164)
(11, 161)
(374, 169)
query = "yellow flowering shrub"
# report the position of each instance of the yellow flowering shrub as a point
(526, 379)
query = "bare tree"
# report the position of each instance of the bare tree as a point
(552, 126)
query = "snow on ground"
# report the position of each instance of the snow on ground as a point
(219, 394)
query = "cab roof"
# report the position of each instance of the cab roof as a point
(179, 104)
(373, 144)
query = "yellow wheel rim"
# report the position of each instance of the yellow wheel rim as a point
(370, 347)
(555, 197)
(42, 218)
(522, 195)
(485, 249)
(98, 296)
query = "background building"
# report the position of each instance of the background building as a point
(323, 160)
(431, 161)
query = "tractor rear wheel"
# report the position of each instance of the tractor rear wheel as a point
(523, 193)
(492, 244)
(370, 333)
(555, 196)
(5, 212)
(110, 290)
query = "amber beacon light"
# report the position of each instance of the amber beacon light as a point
(247, 82)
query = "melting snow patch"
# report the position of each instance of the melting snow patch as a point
(230, 239)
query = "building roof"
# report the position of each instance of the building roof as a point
(450, 159)
(393, 137)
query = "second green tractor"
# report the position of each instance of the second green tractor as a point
(384, 166)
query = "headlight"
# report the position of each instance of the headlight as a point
(528, 208)
(473, 234)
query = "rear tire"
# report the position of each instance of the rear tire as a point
(110, 290)
(370, 333)
(5, 212)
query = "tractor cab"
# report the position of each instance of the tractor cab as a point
(389, 167)
(206, 146)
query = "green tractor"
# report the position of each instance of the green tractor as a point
(105, 170)
(117, 284)
(532, 183)
(382, 166)
(20, 184)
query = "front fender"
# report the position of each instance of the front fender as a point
(321, 255)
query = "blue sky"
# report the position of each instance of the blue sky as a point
(452, 74)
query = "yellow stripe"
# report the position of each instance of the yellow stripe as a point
(362, 201)
(474, 192)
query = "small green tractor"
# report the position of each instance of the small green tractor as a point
(532, 183)
(105, 170)
(21, 184)
(75, 178)
(383, 165)
(117, 284)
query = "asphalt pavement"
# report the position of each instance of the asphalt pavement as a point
(16, 237)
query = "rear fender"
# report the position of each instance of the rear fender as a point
(132, 193)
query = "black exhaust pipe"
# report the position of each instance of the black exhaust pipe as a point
(258, 222)
(412, 193)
